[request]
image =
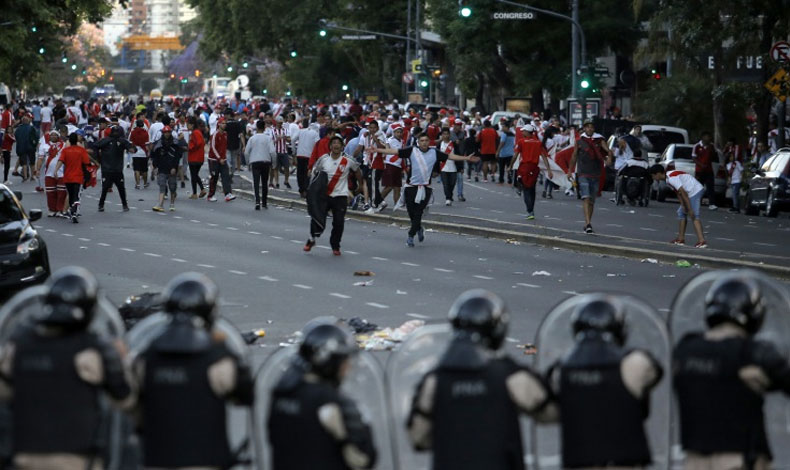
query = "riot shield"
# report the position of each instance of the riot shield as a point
(645, 330)
(22, 310)
(151, 327)
(688, 315)
(364, 385)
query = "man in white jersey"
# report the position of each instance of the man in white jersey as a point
(689, 192)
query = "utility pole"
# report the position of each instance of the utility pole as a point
(408, 53)
(574, 46)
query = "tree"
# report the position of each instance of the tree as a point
(34, 34)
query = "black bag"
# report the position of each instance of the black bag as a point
(317, 199)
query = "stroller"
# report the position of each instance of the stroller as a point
(633, 184)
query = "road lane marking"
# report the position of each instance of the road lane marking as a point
(51, 231)
(212, 225)
(194, 221)
(67, 234)
(570, 292)
(302, 286)
(178, 260)
(418, 315)
(153, 255)
(339, 296)
(296, 241)
(715, 222)
(130, 250)
(533, 286)
(103, 244)
(646, 229)
(374, 304)
(351, 252)
(177, 217)
(725, 239)
(267, 278)
(614, 225)
(764, 244)
(208, 266)
(240, 273)
(487, 278)
(379, 258)
(84, 239)
(655, 215)
(254, 233)
(231, 228)
(442, 270)
(409, 264)
(276, 237)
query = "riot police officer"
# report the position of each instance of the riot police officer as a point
(603, 390)
(307, 402)
(721, 376)
(186, 375)
(55, 371)
(466, 410)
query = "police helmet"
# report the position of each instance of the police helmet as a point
(603, 315)
(191, 294)
(71, 298)
(116, 132)
(482, 316)
(325, 347)
(735, 299)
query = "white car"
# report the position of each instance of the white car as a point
(678, 157)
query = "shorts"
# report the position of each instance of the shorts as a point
(283, 160)
(140, 164)
(588, 187)
(392, 177)
(166, 181)
(184, 159)
(488, 157)
(695, 202)
(26, 158)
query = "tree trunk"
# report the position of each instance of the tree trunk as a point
(479, 94)
(537, 103)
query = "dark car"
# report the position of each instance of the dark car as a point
(23, 254)
(768, 188)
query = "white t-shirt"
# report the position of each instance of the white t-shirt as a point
(369, 145)
(678, 179)
(305, 141)
(50, 169)
(394, 160)
(343, 165)
(46, 114)
(735, 178)
(449, 165)
(293, 129)
(155, 132)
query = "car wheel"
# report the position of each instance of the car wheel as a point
(749, 208)
(771, 210)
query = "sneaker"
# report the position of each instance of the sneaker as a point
(588, 229)
(712, 207)
(202, 194)
(530, 216)
(382, 206)
(101, 208)
(146, 185)
(421, 235)
(336, 252)
(172, 208)
(74, 219)
(448, 203)
(212, 199)
(410, 242)
(157, 209)
(257, 207)
(702, 244)
(366, 207)
(277, 186)
(288, 185)
(543, 194)
(39, 189)
(549, 196)
(193, 196)
(309, 245)
(461, 198)
(137, 186)
(271, 185)
(678, 241)
(126, 208)
(477, 179)
(230, 197)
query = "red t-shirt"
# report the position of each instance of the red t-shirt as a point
(196, 145)
(433, 134)
(530, 150)
(702, 158)
(320, 149)
(73, 158)
(487, 138)
(139, 137)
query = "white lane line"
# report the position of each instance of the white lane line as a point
(267, 278)
(487, 278)
(296, 241)
(528, 285)
(133, 208)
(302, 286)
(130, 250)
(409, 264)
(231, 228)
(764, 244)
(51, 231)
(254, 233)
(212, 225)
(240, 273)
(153, 255)
(351, 252)
(475, 208)
(715, 222)
(646, 229)
(323, 247)
(605, 209)
(84, 239)
(614, 225)
(418, 315)
(497, 211)
(655, 215)
(67, 234)
(194, 221)
(725, 239)
(177, 217)
(379, 258)
(663, 310)
(374, 304)
(103, 244)
(570, 292)
(339, 296)
(178, 260)
(208, 266)
(442, 270)
(276, 237)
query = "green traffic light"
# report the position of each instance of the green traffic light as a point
(322, 33)
(424, 83)
(288, 93)
(245, 65)
(73, 66)
(293, 54)
(345, 87)
(265, 91)
(466, 12)
(64, 59)
(34, 29)
(230, 69)
(585, 84)
(41, 50)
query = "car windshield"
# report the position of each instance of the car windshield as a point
(780, 163)
(659, 140)
(682, 153)
(9, 210)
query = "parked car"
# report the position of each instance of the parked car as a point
(768, 188)
(23, 254)
(678, 157)
(432, 107)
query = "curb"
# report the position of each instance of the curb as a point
(666, 257)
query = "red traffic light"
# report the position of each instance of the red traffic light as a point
(657, 76)
(181, 77)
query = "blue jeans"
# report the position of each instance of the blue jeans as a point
(588, 187)
(459, 184)
(694, 201)
(736, 192)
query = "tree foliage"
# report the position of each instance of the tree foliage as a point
(21, 63)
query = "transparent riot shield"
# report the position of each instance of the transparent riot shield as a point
(645, 330)
(23, 310)
(688, 315)
(364, 385)
(151, 327)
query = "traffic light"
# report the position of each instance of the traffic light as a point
(443, 80)
(172, 76)
(656, 74)
(288, 93)
(183, 80)
(322, 33)
(33, 29)
(265, 91)
(64, 59)
(230, 68)
(102, 72)
(245, 65)
(197, 73)
(464, 10)
(585, 83)
(41, 50)
(424, 83)
(294, 54)
(585, 78)
(84, 72)
(344, 87)
(73, 66)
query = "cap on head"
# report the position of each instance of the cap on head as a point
(528, 128)
(481, 316)
(167, 129)
(601, 315)
(736, 299)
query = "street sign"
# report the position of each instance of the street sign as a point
(780, 51)
(431, 68)
(358, 37)
(408, 78)
(416, 66)
(601, 71)
(575, 109)
(779, 84)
